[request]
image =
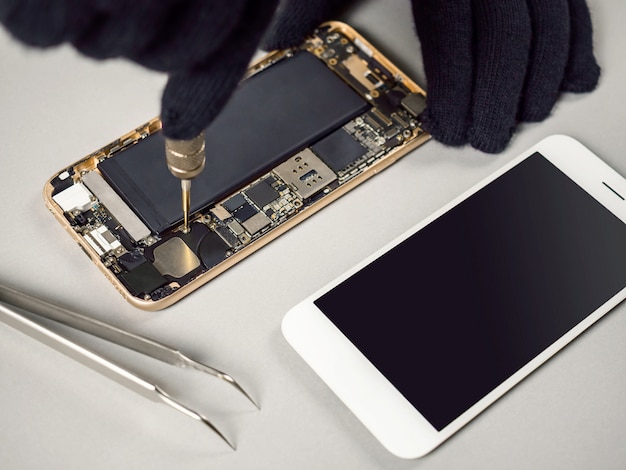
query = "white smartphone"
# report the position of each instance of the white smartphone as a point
(426, 333)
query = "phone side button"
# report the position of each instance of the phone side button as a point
(85, 251)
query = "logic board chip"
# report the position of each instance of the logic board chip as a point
(262, 193)
(339, 149)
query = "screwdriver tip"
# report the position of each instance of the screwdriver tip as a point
(186, 193)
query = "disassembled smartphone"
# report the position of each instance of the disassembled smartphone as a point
(304, 127)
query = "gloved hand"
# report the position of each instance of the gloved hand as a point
(489, 64)
(204, 45)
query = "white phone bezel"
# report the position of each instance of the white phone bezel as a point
(384, 411)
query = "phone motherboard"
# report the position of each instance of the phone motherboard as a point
(305, 126)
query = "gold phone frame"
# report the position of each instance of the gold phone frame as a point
(90, 163)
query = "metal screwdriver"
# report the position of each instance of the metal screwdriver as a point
(185, 160)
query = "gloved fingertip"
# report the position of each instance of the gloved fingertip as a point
(177, 125)
(448, 132)
(583, 80)
(582, 73)
(549, 48)
(193, 98)
(536, 111)
(490, 140)
(183, 114)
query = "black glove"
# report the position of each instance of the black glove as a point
(487, 63)
(204, 45)
(490, 64)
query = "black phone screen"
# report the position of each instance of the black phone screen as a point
(461, 305)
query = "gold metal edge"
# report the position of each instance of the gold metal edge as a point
(351, 33)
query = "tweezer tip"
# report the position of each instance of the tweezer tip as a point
(216, 431)
(167, 399)
(220, 375)
(234, 383)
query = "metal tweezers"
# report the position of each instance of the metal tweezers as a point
(12, 301)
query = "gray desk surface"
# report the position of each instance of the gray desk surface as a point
(56, 107)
